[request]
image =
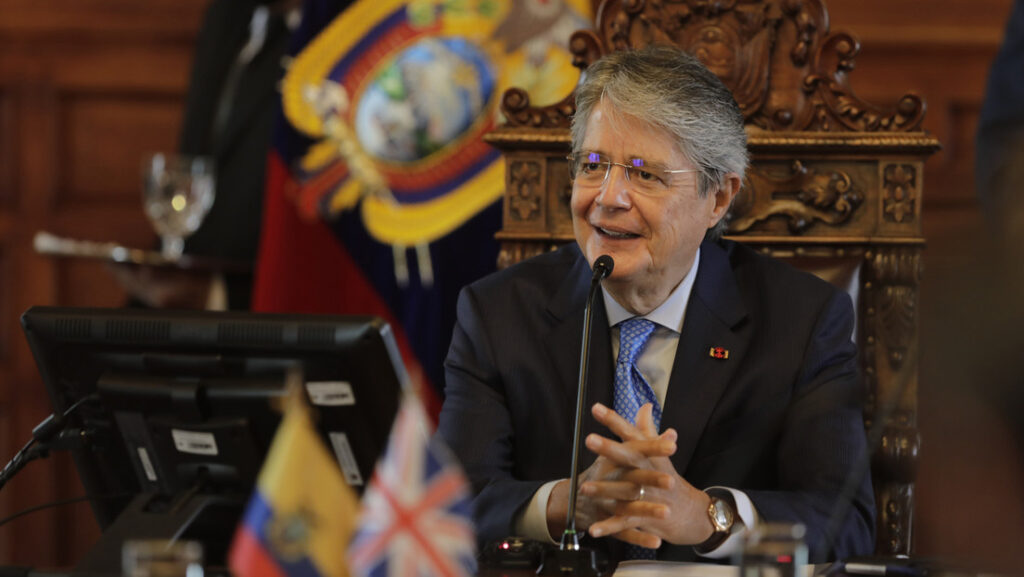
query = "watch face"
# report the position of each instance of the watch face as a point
(722, 515)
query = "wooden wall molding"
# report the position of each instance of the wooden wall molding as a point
(93, 19)
(104, 136)
(883, 38)
(7, 149)
(6, 272)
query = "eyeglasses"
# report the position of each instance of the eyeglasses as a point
(591, 169)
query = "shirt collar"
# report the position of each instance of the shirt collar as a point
(668, 314)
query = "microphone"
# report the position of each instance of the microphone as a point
(602, 269)
(570, 558)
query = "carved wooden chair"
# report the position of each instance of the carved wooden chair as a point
(835, 185)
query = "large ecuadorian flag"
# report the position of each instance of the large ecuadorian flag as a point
(400, 93)
(302, 514)
(382, 196)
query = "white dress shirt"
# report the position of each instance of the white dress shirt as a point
(655, 364)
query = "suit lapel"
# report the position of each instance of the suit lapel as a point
(713, 319)
(563, 345)
(698, 380)
(223, 33)
(262, 71)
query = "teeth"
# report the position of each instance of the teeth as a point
(614, 234)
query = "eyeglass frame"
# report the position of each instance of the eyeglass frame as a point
(572, 158)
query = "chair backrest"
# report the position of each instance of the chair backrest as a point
(835, 186)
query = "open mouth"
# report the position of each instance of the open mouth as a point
(615, 234)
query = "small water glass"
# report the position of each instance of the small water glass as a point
(177, 193)
(162, 558)
(774, 550)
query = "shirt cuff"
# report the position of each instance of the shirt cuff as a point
(532, 522)
(747, 520)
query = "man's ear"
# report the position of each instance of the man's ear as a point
(723, 196)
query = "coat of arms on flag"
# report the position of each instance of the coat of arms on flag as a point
(415, 519)
(301, 511)
(398, 95)
(382, 197)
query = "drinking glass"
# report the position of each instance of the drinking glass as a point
(774, 550)
(162, 558)
(177, 193)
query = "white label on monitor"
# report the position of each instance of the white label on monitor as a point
(147, 465)
(343, 452)
(194, 442)
(330, 393)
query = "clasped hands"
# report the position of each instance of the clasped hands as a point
(632, 491)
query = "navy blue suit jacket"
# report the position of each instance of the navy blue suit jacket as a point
(780, 419)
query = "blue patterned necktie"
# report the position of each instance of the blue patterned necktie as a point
(632, 391)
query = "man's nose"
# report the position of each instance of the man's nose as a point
(616, 189)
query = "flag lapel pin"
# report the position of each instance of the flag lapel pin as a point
(719, 353)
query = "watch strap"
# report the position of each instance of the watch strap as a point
(718, 536)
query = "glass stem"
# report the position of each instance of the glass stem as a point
(172, 246)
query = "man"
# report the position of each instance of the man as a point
(229, 115)
(744, 372)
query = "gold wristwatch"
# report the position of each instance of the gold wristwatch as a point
(722, 515)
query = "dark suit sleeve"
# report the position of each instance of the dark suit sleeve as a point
(822, 446)
(475, 422)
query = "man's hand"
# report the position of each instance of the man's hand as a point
(163, 287)
(623, 472)
(671, 509)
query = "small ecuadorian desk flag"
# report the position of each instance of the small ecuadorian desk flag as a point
(302, 513)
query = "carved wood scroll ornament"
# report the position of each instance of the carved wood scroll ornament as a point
(786, 70)
(803, 197)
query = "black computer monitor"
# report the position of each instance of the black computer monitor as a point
(182, 407)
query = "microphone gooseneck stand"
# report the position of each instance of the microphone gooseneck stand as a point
(570, 558)
(47, 435)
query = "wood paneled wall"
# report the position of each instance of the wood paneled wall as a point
(88, 86)
(941, 50)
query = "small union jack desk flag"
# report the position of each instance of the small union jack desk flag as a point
(719, 353)
(415, 519)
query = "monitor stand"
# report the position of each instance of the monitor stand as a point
(209, 519)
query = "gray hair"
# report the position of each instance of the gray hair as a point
(669, 89)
